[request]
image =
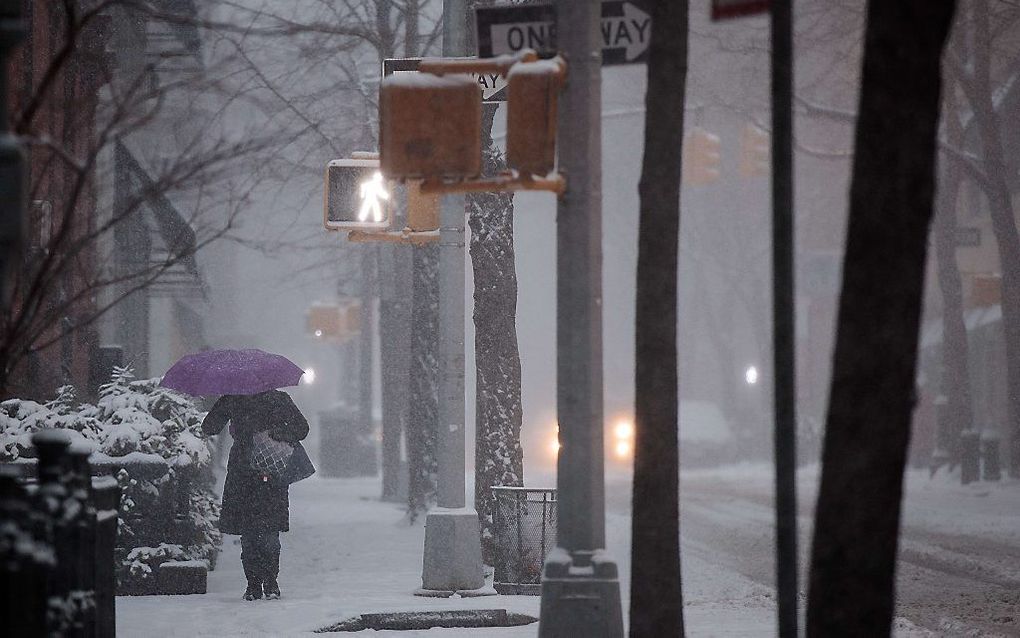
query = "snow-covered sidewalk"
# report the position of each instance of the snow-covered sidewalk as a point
(349, 554)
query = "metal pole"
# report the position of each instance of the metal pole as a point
(12, 160)
(451, 485)
(453, 553)
(783, 316)
(580, 584)
(365, 354)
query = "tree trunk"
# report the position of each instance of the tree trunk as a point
(656, 601)
(954, 385)
(498, 456)
(1003, 223)
(853, 559)
(422, 428)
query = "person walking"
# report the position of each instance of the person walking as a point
(256, 502)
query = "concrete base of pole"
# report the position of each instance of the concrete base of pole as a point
(580, 596)
(452, 560)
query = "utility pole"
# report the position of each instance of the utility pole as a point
(580, 583)
(452, 560)
(12, 160)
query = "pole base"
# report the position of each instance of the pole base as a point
(452, 561)
(580, 596)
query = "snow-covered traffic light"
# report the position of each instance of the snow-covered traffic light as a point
(755, 151)
(701, 158)
(356, 195)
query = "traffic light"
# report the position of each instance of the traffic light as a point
(356, 195)
(701, 157)
(334, 323)
(430, 126)
(532, 90)
(755, 151)
(325, 322)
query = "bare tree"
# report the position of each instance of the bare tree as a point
(857, 518)
(66, 280)
(974, 76)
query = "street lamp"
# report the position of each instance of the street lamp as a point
(751, 375)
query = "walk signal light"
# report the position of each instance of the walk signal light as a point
(755, 151)
(701, 158)
(356, 195)
(430, 126)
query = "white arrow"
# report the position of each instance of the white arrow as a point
(631, 31)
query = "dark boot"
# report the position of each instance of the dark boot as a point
(272, 566)
(254, 591)
(252, 572)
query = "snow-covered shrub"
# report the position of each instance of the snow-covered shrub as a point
(153, 435)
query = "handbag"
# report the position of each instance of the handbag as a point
(300, 466)
(269, 457)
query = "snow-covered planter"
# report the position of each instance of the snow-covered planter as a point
(150, 439)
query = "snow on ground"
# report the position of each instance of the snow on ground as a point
(349, 554)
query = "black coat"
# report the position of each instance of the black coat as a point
(249, 503)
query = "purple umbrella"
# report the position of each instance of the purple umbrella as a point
(231, 372)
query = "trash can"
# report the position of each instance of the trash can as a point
(524, 519)
(347, 447)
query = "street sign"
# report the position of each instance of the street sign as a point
(724, 9)
(626, 30)
(493, 85)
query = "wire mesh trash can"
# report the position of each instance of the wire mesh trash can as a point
(524, 519)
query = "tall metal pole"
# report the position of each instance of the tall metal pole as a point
(12, 160)
(783, 316)
(453, 556)
(580, 583)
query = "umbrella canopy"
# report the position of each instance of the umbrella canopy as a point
(231, 372)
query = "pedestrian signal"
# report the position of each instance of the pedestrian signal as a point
(357, 196)
(531, 115)
(430, 126)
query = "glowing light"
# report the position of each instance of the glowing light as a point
(309, 376)
(751, 375)
(373, 193)
(622, 449)
(318, 332)
(624, 430)
(554, 445)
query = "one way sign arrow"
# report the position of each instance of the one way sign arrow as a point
(626, 30)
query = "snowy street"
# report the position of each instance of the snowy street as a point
(348, 554)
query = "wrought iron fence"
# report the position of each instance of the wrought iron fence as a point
(524, 519)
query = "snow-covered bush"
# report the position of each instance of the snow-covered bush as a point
(151, 437)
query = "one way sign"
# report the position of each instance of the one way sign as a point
(626, 30)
